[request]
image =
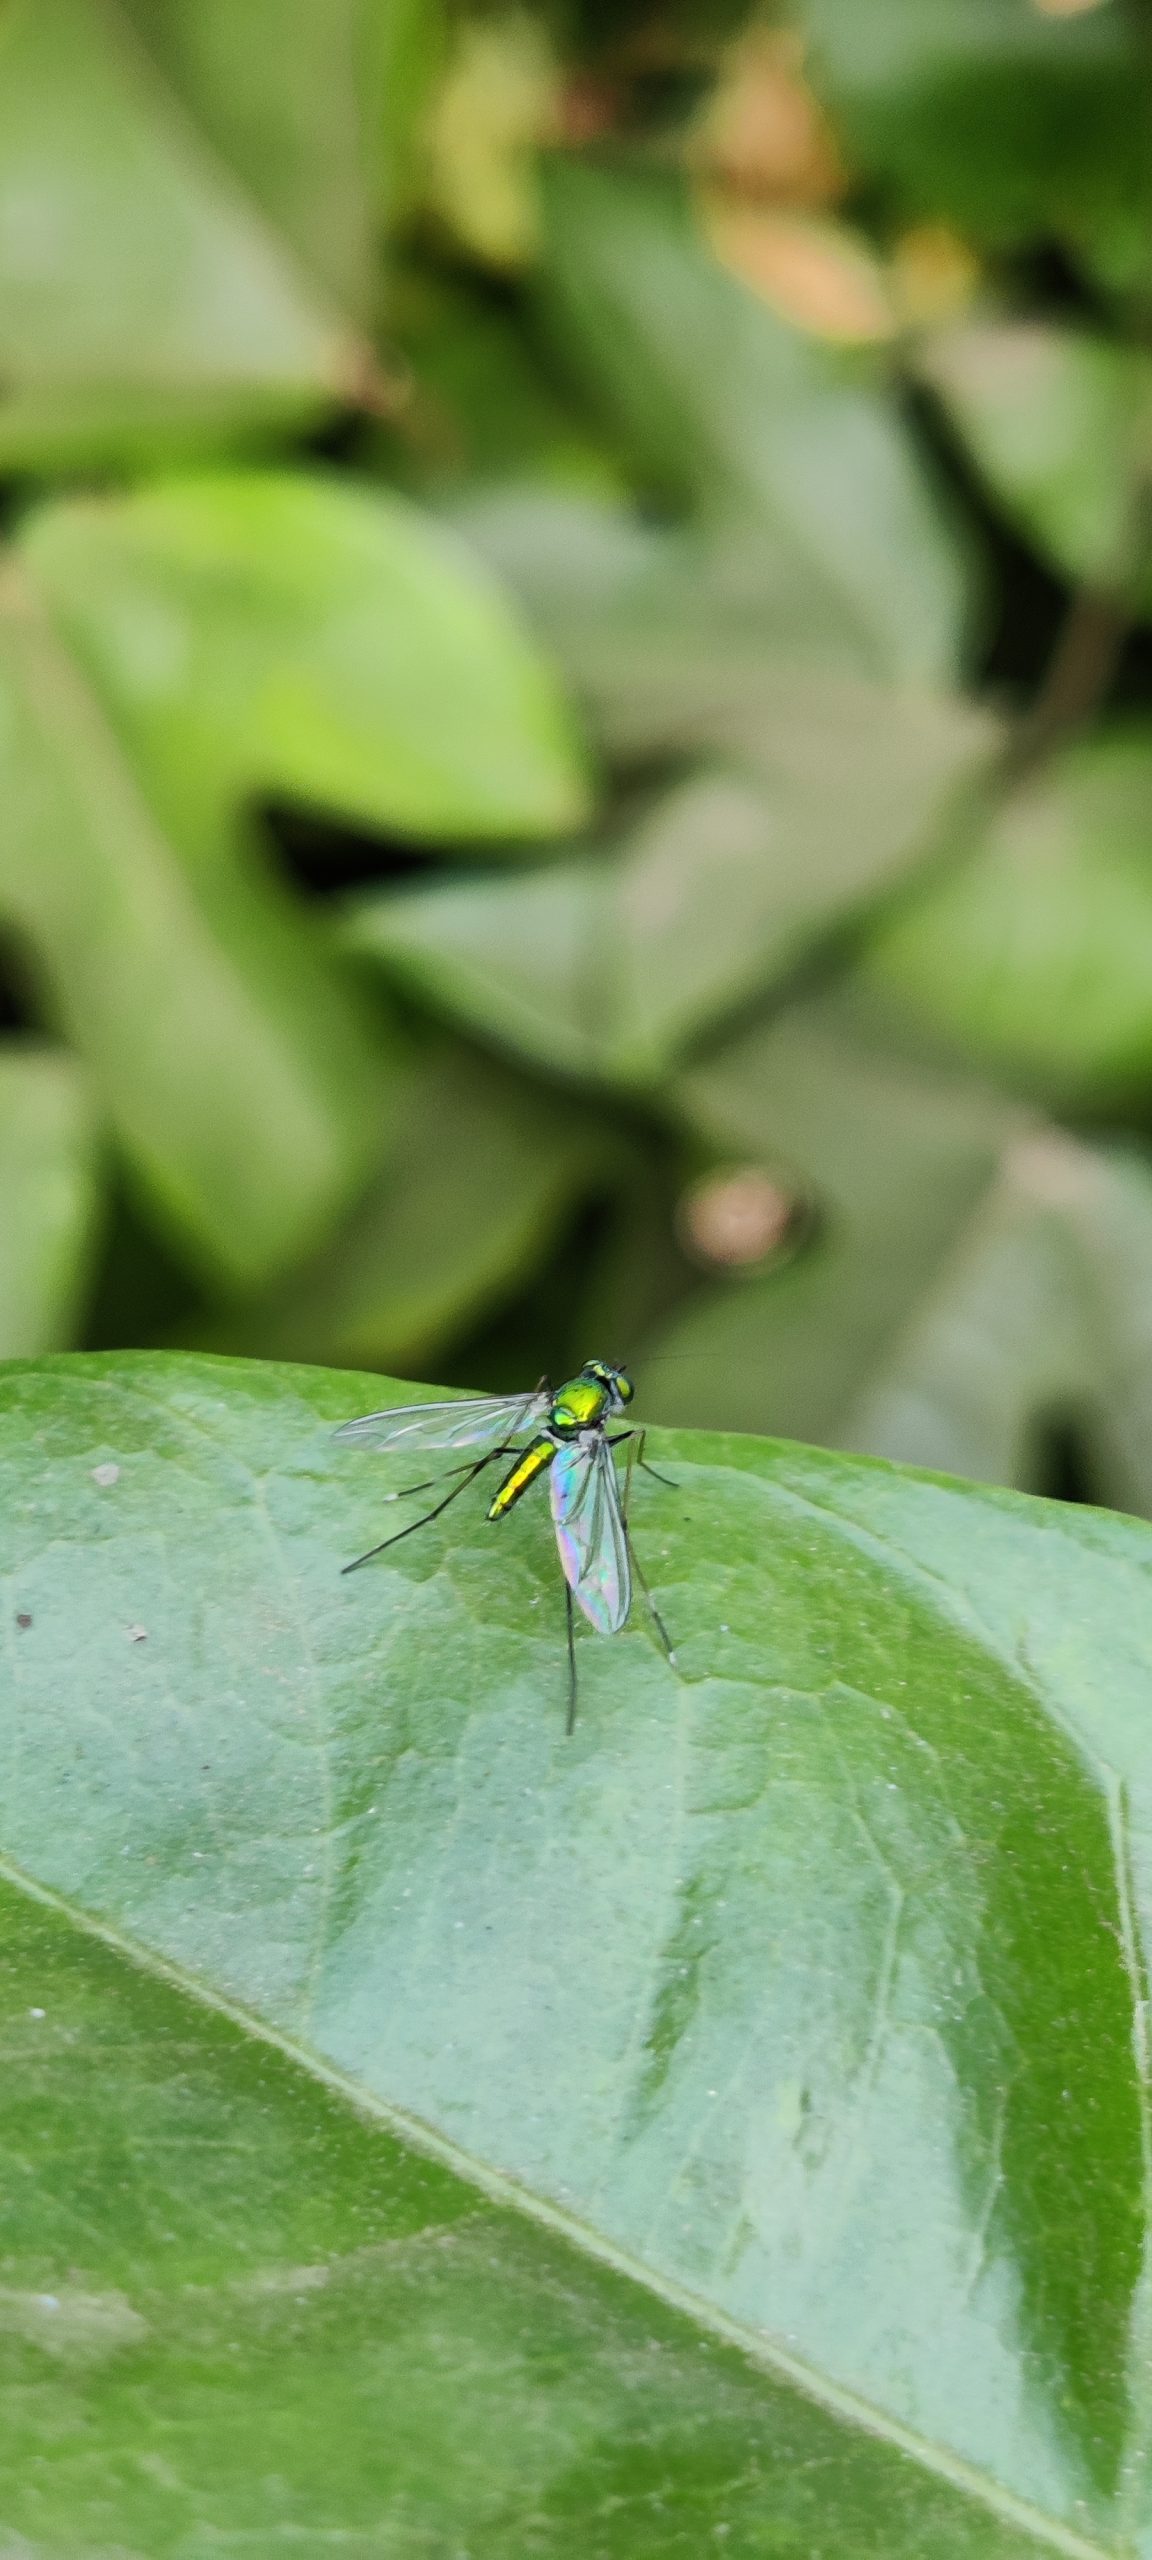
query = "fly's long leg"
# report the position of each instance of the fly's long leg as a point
(640, 1460)
(570, 1719)
(636, 1458)
(407, 1490)
(435, 1512)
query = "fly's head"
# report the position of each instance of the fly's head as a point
(616, 1383)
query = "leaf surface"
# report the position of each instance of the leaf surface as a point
(164, 658)
(802, 1984)
(972, 1279)
(115, 330)
(1034, 953)
(740, 415)
(1058, 423)
(613, 962)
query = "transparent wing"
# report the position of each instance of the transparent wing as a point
(469, 1422)
(590, 1532)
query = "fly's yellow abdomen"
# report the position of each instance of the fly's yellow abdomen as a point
(538, 1455)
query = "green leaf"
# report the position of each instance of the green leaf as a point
(795, 2002)
(167, 657)
(1016, 121)
(613, 965)
(481, 1169)
(894, 1158)
(1035, 954)
(117, 329)
(283, 631)
(229, 1060)
(732, 410)
(671, 638)
(48, 1174)
(1059, 423)
(247, 2311)
(282, 94)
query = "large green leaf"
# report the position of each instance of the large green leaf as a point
(229, 1060)
(729, 408)
(613, 962)
(285, 631)
(232, 2307)
(804, 1987)
(142, 298)
(164, 658)
(291, 97)
(1035, 954)
(48, 1174)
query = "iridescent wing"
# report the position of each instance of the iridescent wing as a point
(469, 1422)
(590, 1532)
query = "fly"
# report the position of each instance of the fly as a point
(568, 1436)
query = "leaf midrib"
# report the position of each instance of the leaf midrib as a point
(507, 2193)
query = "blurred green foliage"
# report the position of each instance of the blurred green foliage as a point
(575, 727)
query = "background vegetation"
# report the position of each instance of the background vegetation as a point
(575, 764)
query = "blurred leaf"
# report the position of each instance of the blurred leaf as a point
(236, 2306)
(762, 133)
(48, 1176)
(820, 276)
(140, 294)
(671, 639)
(284, 631)
(167, 656)
(408, 51)
(872, 1864)
(1017, 121)
(229, 1060)
(1039, 1318)
(1036, 954)
(612, 966)
(482, 408)
(895, 1157)
(1059, 423)
(727, 407)
(975, 1277)
(498, 100)
(281, 89)
(480, 1170)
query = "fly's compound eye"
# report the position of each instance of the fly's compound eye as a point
(624, 1387)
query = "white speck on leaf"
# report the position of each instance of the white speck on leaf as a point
(107, 1474)
(137, 1635)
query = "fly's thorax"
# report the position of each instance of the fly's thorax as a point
(581, 1405)
(588, 1402)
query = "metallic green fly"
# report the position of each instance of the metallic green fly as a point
(568, 1436)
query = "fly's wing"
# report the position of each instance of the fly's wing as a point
(590, 1532)
(469, 1422)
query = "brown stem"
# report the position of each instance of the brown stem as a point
(1077, 677)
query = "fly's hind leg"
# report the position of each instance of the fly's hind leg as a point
(469, 1477)
(636, 1458)
(570, 1719)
